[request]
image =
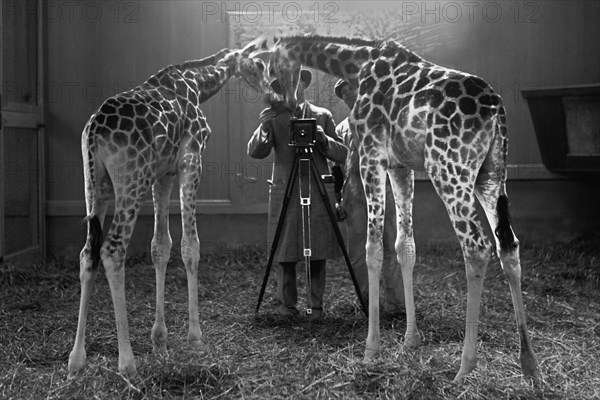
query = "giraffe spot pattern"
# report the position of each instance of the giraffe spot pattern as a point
(321, 61)
(467, 105)
(421, 83)
(126, 124)
(406, 86)
(431, 97)
(378, 98)
(440, 120)
(400, 59)
(309, 59)
(448, 108)
(331, 49)
(112, 122)
(376, 117)
(335, 67)
(344, 55)
(474, 86)
(126, 111)
(381, 68)
(120, 139)
(367, 86)
(452, 89)
(388, 51)
(385, 86)
(387, 103)
(361, 53)
(351, 69)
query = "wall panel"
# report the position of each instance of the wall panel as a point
(515, 45)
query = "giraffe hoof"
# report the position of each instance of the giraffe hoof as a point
(160, 349)
(159, 339)
(371, 354)
(76, 364)
(128, 369)
(196, 344)
(412, 340)
(73, 373)
(462, 373)
(528, 364)
(466, 367)
(459, 376)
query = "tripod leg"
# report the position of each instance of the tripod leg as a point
(305, 200)
(284, 207)
(337, 231)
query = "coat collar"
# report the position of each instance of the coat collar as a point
(307, 110)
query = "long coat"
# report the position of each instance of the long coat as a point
(324, 244)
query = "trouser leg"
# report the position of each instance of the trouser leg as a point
(287, 293)
(317, 282)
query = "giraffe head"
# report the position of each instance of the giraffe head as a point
(280, 67)
(250, 69)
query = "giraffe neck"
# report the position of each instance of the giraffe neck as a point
(208, 79)
(204, 78)
(213, 80)
(339, 57)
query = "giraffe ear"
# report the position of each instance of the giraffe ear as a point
(264, 55)
(257, 46)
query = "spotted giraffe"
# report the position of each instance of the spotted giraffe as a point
(410, 115)
(142, 139)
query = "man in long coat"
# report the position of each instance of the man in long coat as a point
(273, 135)
(354, 209)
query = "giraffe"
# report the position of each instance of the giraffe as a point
(410, 115)
(142, 139)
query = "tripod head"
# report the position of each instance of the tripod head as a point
(303, 132)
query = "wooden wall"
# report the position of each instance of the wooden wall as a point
(96, 49)
(91, 60)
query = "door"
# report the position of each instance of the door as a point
(21, 131)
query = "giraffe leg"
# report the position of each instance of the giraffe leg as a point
(88, 269)
(391, 272)
(476, 261)
(459, 200)
(98, 191)
(161, 250)
(402, 182)
(113, 255)
(374, 178)
(189, 179)
(492, 197)
(355, 207)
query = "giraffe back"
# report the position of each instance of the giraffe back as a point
(414, 110)
(152, 123)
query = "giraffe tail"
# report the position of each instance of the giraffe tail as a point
(97, 189)
(94, 203)
(504, 231)
(95, 234)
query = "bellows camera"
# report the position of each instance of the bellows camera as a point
(303, 132)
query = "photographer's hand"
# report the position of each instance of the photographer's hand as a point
(322, 138)
(265, 117)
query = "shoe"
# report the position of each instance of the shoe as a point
(286, 311)
(316, 315)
